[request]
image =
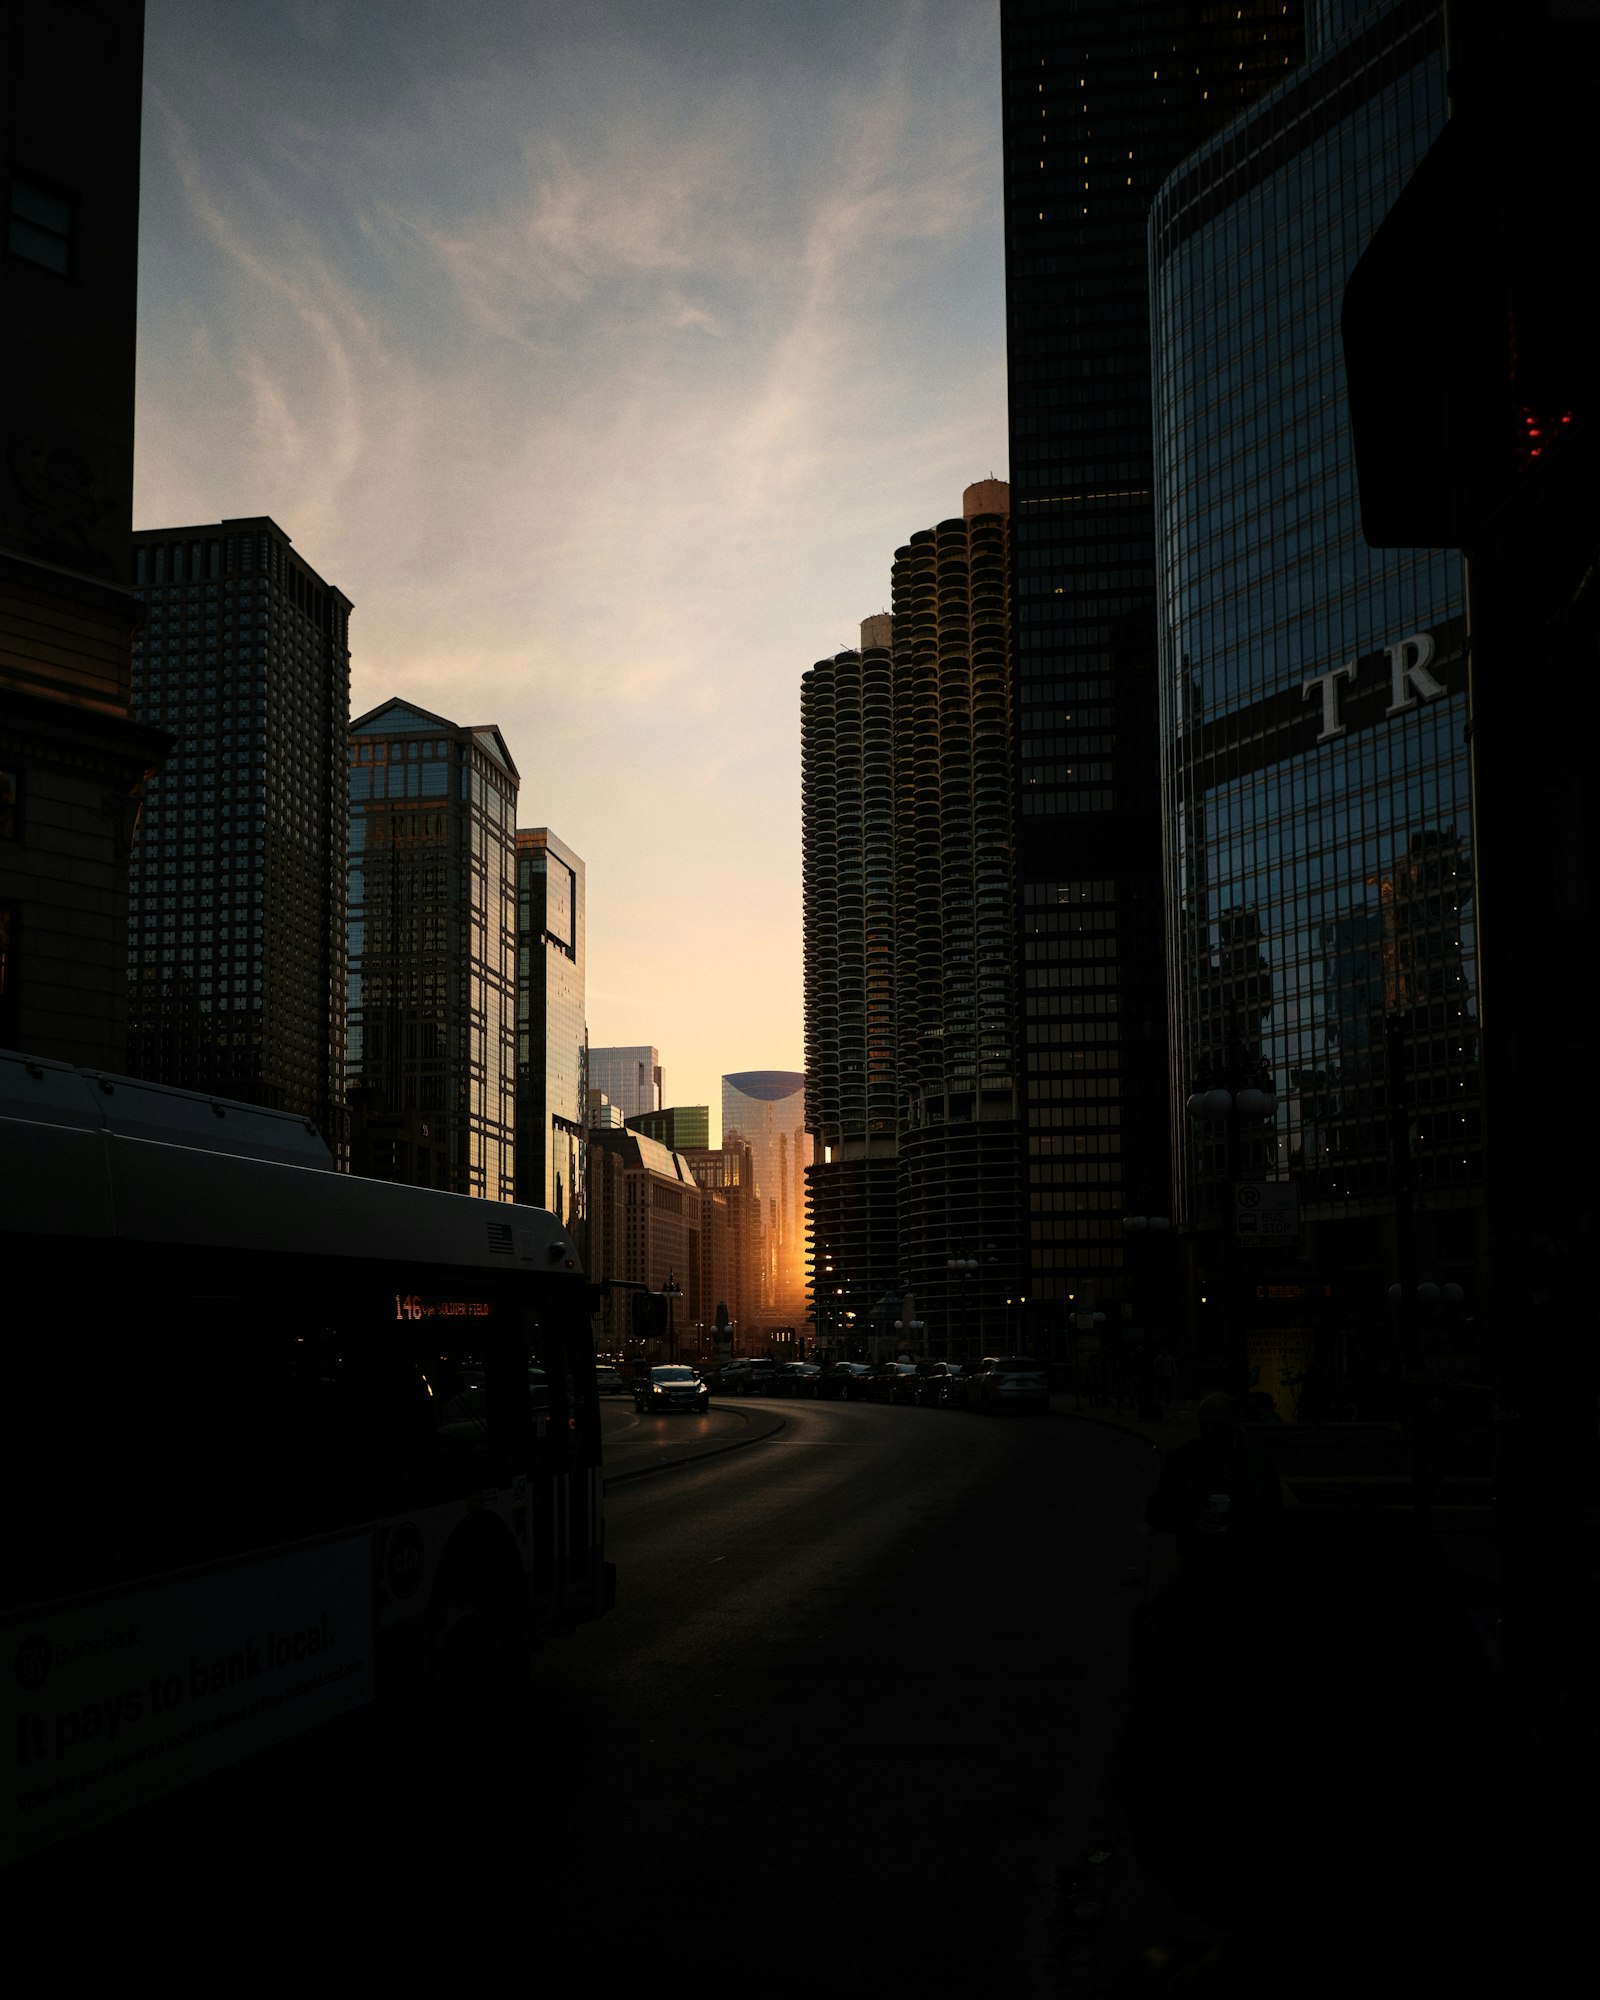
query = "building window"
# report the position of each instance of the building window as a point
(10, 804)
(42, 223)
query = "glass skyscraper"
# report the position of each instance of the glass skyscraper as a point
(766, 1109)
(1313, 690)
(1101, 101)
(552, 1040)
(632, 1079)
(433, 935)
(236, 937)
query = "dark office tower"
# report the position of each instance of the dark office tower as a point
(1101, 101)
(847, 865)
(552, 1041)
(1313, 713)
(955, 979)
(433, 946)
(236, 951)
(72, 761)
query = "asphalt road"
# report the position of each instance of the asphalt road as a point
(845, 1729)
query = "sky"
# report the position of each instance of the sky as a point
(602, 355)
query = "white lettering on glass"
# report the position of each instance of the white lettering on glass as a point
(1332, 719)
(1407, 672)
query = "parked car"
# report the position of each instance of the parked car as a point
(1009, 1382)
(882, 1378)
(671, 1387)
(935, 1380)
(903, 1384)
(748, 1377)
(794, 1378)
(609, 1381)
(842, 1380)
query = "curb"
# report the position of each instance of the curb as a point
(776, 1424)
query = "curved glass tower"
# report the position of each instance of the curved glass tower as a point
(1313, 693)
(766, 1108)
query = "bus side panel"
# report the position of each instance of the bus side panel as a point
(123, 1698)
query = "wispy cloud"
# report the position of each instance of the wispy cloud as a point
(604, 379)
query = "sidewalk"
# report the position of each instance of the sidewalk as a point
(1351, 1483)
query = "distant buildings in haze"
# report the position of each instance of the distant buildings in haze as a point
(765, 1109)
(632, 1079)
(679, 1126)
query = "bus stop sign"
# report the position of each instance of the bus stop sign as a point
(1266, 1214)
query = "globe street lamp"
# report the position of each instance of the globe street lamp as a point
(966, 1269)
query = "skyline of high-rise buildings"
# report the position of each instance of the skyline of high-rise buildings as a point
(1298, 981)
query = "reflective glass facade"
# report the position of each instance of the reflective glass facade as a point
(433, 934)
(765, 1109)
(552, 1039)
(1101, 101)
(1313, 690)
(236, 958)
(632, 1078)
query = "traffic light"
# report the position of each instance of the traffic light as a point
(649, 1316)
(1470, 340)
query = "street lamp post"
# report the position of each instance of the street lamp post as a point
(671, 1291)
(966, 1269)
(1406, 1293)
(1140, 1226)
(1240, 1100)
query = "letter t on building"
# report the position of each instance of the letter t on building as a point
(1332, 720)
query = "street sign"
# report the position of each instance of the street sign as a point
(1266, 1214)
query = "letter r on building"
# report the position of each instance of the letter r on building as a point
(1407, 673)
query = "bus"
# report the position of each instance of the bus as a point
(287, 1451)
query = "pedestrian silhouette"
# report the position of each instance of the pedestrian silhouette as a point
(1221, 1498)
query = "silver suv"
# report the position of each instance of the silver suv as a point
(1009, 1382)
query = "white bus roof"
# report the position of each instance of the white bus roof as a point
(83, 1154)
